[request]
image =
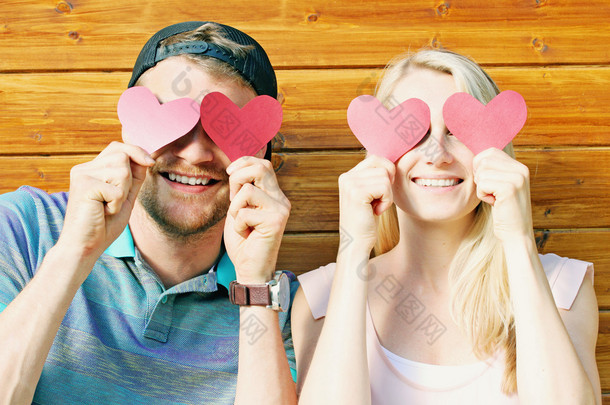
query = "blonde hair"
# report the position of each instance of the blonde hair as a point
(212, 33)
(480, 296)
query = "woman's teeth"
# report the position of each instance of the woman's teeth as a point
(193, 181)
(436, 182)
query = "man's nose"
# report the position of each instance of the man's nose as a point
(195, 147)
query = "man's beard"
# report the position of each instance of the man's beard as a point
(192, 224)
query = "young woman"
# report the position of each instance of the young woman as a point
(456, 307)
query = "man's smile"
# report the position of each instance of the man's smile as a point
(189, 180)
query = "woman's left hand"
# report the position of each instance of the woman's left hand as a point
(504, 183)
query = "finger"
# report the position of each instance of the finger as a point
(501, 180)
(259, 174)
(484, 194)
(383, 203)
(138, 177)
(265, 223)
(111, 196)
(499, 185)
(496, 158)
(250, 196)
(374, 161)
(119, 174)
(246, 161)
(374, 190)
(123, 166)
(135, 153)
(384, 199)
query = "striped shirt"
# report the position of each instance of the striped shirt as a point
(126, 338)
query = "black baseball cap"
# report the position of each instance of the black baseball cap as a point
(255, 66)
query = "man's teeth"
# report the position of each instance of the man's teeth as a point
(193, 181)
(436, 182)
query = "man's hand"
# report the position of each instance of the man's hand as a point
(102, 195)
(256, 219)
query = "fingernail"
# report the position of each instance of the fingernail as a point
(150, 160)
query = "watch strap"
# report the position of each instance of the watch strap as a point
(249, 294)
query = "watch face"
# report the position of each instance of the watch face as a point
(284, 293)
(279, 288)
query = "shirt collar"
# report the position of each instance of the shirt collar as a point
(123, 246)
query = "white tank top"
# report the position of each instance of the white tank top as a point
(396, 380)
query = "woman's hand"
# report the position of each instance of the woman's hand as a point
(364, 192)
(504, 183)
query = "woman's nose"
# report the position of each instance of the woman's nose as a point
(436, 150)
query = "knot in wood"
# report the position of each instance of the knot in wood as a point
(64, 7)
(443, 9)
(539, 45)
(277, 159)
(313, 17)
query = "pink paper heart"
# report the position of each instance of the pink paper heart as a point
(479, 126)
(388, 133)
(240, 132)
(151, 125)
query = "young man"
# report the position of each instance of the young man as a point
(119, 292)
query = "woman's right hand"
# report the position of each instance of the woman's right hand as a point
(364, 192)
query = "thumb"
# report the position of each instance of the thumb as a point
(138, 175)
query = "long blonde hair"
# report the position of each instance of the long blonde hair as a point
(480, 296)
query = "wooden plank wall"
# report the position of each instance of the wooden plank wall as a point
(65, 63)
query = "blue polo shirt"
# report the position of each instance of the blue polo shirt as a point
(126, 338)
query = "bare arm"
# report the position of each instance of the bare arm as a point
(253, 233)
(102, 193)
(305, 334)
(29, 324)
(554, 349)
(554, 365)
(264, 375)
(339, 372)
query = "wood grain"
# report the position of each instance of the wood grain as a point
(52, 113)
(584, 244)
(302, 252)
(65, 62)
(569, 187)
(567, 190)
(94, 34)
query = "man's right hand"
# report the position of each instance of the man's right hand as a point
(102, 195)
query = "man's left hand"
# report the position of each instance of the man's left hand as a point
(256, 219)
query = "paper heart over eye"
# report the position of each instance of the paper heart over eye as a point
(479, 126)
(240, 132)
(152, 125)
(388, 133)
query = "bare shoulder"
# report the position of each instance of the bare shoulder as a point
(582, 322)
(305, 333)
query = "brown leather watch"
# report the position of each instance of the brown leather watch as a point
(274, 294)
